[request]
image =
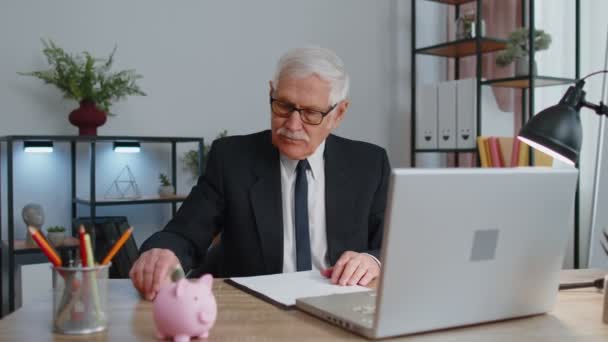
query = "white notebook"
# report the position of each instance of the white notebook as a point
(284, 288)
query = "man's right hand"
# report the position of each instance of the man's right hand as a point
(151, 270)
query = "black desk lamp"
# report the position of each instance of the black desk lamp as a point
(557, 130)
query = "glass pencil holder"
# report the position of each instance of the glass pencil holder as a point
(80, 298)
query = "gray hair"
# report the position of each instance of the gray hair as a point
(303, 62)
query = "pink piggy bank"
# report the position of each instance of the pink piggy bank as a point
(185, 308)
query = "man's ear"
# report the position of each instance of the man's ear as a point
(340, 112)
(271, 88)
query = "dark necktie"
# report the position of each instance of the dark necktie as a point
(303, 262)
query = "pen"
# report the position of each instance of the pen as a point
(117, 246)
(327, 272)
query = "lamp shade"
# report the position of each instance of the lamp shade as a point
(556, 131)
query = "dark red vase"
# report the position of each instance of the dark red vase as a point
(87, 118)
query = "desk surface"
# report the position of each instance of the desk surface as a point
(577, 315)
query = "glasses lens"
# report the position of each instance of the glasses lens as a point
(281, 108)
(312, 116)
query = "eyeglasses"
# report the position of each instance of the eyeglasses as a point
(308, 116)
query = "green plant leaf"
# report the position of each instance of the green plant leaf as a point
(83, 76)
(517, 45)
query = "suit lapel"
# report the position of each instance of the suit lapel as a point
(266, 200)
(338, 197)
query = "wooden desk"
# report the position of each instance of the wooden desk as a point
(577, 316)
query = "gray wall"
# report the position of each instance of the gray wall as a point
(594, 29)
(206, 66)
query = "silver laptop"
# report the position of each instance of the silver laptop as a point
(461, 247)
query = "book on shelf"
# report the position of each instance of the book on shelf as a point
(483, 151)
(542, 159)
(508, 152)
(495, 153)
(505, 144)
(515, 153)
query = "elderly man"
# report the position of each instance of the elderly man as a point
(290, 199)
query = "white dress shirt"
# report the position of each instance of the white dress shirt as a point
(316, 210)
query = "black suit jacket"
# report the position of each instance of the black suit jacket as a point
(240, 196)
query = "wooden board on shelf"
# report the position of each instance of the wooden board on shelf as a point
(138, 200)
(21, 247)
(452, 2)
(524, 82)
(463, 47)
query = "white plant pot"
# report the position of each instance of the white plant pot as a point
(166, 191)
(522, 67)
(56, 238)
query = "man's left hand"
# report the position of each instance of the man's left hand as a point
(353, 268)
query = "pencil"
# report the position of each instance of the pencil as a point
(92, 279)
(124, 237)
(45, 247)
(83, 248)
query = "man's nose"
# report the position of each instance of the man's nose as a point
(294, 121)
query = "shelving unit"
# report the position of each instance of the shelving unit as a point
(481, 45)
(478, 46)
(11, 247)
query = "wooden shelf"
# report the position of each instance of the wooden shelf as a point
(463, 47)
(21, 248)
(523, 82)
(139, 200)
(463, 150)
(452, 2)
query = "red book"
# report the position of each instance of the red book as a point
(515, 152)
(495, 154)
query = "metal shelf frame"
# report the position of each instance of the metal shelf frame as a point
(526, 84)
(454, 49)
(10, 140)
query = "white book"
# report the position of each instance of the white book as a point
(446, 109)
(466, 113)
(426, 116)
(283, 289)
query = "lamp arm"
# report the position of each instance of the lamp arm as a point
(600, 109)
(594, 73)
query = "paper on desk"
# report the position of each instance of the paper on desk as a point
(285, 288)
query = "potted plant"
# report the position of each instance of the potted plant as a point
(190, 158)
(165, 189)
(465, 26)
(518, 49)
(89, 81)
(56, 235)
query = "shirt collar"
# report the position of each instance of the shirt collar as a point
(315, 160)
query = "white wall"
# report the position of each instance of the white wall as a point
(206, 66)
(593, 40)
(557, 18)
